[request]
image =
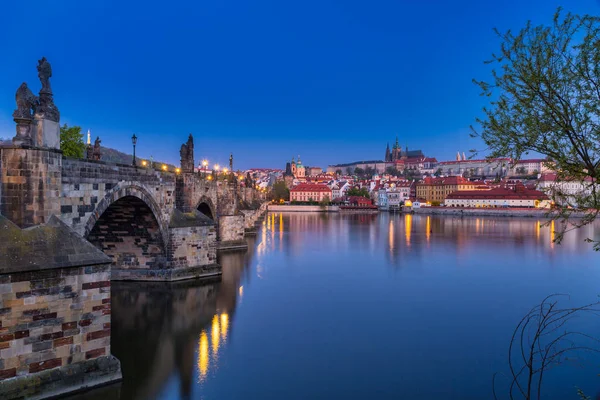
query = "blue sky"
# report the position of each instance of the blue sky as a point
(333, 81)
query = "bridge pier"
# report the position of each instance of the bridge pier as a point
(55, 312)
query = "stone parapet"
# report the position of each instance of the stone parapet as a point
(55, 313)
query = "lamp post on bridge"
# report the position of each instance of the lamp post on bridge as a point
(204, 168)
(134, 141)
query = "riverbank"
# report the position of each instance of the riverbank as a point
(301, 208)
(491, 212)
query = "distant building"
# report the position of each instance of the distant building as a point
(298, 169)
(288, 176)
(437, 189)
(529, 167)
(397, 153)
(348, 169)
(497, 167)
(565, 192)
(394, 199)
(359, 201)
(314, 171)
(519, 196)
(310, 192)
(382, 198)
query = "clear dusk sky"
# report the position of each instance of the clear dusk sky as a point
(333, 81)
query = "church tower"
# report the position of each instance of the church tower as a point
(388, 157)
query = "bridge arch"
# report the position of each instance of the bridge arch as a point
(127, 225)
(207, 207)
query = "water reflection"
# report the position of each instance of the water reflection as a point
(164, 332)
(318, 271)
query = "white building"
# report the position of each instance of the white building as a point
(565, 192)
(495, 167)
(529, 167)
(498, 198)
(394, 199)
(382, 198)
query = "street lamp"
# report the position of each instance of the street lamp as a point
(204, 167)
(134, 141)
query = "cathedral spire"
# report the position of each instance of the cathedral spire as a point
(387, 153)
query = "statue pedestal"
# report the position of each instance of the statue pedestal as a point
(24, 134)
(46, 133)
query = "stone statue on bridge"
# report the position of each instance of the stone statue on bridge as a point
(47, 109)
(44, 73)
(96, 152)
(89, 151)
(26, 102)
(23, 115)
(187, 155)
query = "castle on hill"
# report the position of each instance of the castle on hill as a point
(397, 154)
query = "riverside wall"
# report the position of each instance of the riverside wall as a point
(290, 208)
(491, 212)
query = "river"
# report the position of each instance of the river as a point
(326, 306)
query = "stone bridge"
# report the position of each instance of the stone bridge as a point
(155, 225)
(69, 226)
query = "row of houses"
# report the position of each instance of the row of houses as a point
(388, 192)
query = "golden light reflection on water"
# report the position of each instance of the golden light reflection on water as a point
(552, 234)
(407, 227)
(224, 326)
(280, 225)
(219, 330)
(391, 234)
(215, 335)
(537, 230)
(428, 228)
(203, 354)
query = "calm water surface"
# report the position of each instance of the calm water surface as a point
(329, 306)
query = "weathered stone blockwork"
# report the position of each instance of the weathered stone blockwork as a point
(29, 184)
(125, 211)
(129, 233)
(54, 312)
(90, 187)
(231, 232)
(52, 319)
